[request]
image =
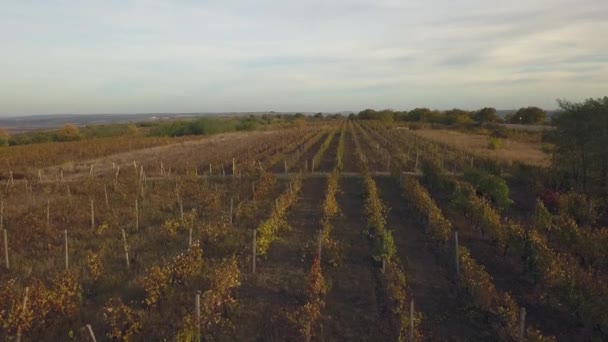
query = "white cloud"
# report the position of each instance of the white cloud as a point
(140, 56)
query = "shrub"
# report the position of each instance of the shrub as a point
(494, 143)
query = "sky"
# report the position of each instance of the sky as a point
(120, 56)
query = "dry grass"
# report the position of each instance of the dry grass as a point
(510, 151)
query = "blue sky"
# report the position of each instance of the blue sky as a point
(313, 55)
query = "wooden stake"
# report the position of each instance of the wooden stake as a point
(90, 329)
(91, 171)
(261, 169)
(24, 308)
(69, 196)
(105, 192)
(197, 310)
(126, 247)
(92, 215)
(416, 165)
(320, 247)
(456, 254)
(254, 250)
(233, 167)
(65, 235)
(285, 165)
(1, 214)
(6, 263)
(210, 170)
(522, 324)
(412, 320)
(190, 238)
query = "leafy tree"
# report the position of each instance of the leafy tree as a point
(69, 132)
(580, 157)
(487, 114)
(417, 114)
(318, 116)
(529, 115)
(3, 138)
(457, 116)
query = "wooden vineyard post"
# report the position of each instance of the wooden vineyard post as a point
(69, 196)
(65, 238)
(231, 209)
(412, 320)
(522, 324)
(471, 161)
(105, 192)
(285, 165)
(233, 167)
(136, 215)
(456, 254)
(126, 247)
(312, 166)
(6, 263)
(181, 210)
(24, 308)
(260, 165)
(91, 171)
(254, 250)
(1, 214)
(197, 309)
(320, 248)
(290, 188)
(117, 173)
(416, 164)
(306, 165)
(210, 170)
(190, 237)
(223, 172)
(276, 203)
(92, 215)
(253, 191)
(442, 157)
(90, 329)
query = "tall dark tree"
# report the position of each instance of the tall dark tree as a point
(487, 114)
(528, 116)
(580, 157)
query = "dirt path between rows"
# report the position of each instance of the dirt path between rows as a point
(445, 317)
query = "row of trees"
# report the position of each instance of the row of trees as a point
(527, 115)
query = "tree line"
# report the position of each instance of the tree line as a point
(525, 115)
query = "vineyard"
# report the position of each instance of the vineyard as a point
(332, 230)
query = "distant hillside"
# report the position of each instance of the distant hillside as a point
(53, 121)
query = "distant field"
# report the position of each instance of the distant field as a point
(529, 153)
